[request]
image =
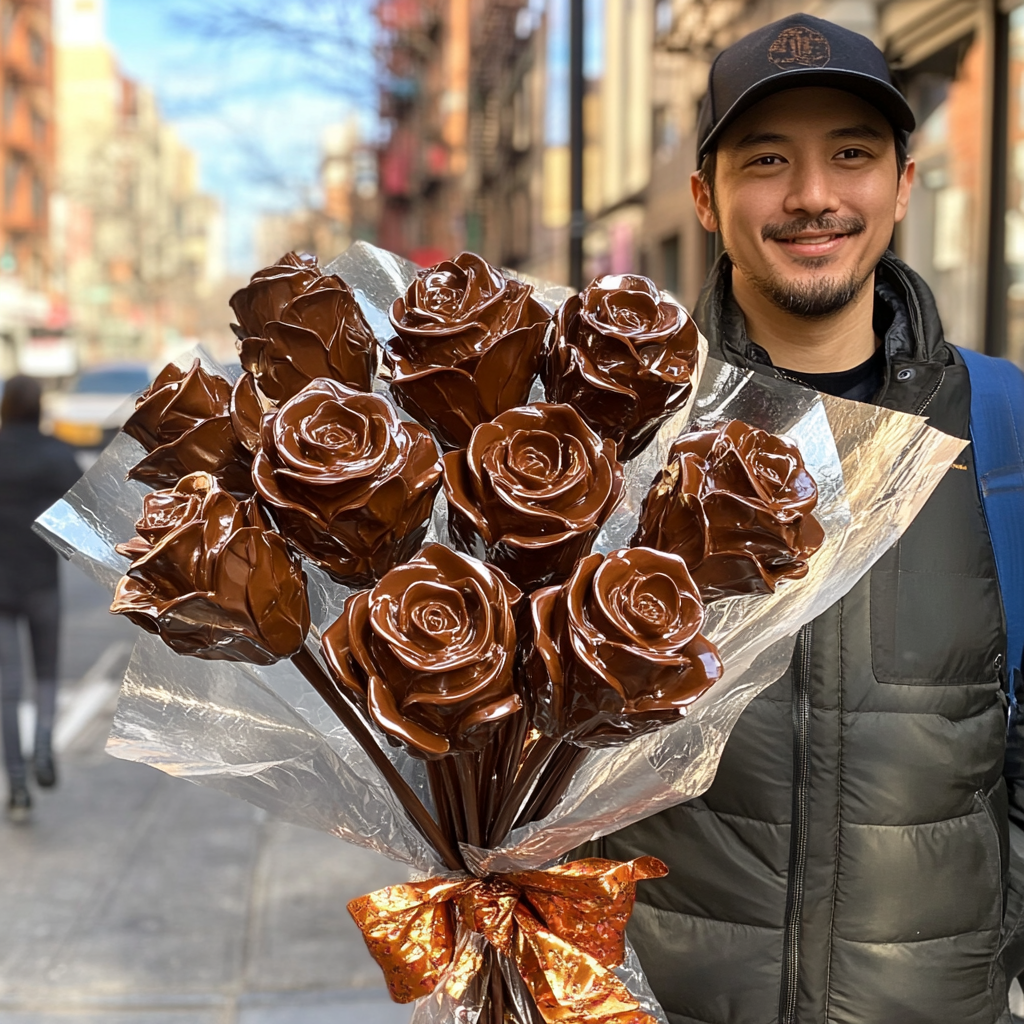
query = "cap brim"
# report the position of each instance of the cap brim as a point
(886, 98)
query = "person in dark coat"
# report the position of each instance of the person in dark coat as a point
(35, 470)
(857, 858)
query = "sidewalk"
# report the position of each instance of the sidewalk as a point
(135, 898)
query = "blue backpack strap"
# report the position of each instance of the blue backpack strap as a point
(997, 437)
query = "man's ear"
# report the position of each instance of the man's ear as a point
(903, 189)
(703, 203)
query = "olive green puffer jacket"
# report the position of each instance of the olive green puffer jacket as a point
(849, 863)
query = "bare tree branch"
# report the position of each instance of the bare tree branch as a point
(330, 41)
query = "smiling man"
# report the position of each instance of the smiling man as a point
(851, 863)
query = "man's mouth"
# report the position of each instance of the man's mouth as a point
(813, 245)
(813, 241)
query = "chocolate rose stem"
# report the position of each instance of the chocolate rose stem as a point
(496, 992)
(442, 801)
(533, 765)
(467, 772)
(560, 773)
(338, 703)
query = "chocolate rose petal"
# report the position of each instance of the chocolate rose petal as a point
(617, 649)
(217, 585)
(252, 563)
(749, 496)
(270, 291)
(505, 372)
(246, 411)
(349, 483)
(432, 646)
(530, 491)
(284, 359)
(645, 605)
(211, 446)
(468, 343)
(623, 356)
(442, 398)
(144, 423)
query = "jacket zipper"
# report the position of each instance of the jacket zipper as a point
(799, 827)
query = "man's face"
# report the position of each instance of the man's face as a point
(806, 194)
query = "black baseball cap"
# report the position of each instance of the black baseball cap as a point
(793, 53)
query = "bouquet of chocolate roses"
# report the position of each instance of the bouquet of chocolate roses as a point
(471, 570)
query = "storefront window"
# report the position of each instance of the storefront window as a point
(942, 236)
(1015, 194)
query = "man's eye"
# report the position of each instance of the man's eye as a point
(853, 154)
(768, 161)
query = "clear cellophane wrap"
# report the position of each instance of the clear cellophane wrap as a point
(264, 735)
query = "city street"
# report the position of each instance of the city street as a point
(134, 898)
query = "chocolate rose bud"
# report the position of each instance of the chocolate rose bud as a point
(469, 343)
(736, 504)
(430, 649)
(162, 512)
(618, 649)
(348, 483)
(623, 356)
(531, 491)
(212, 579)
(297, 324)
(183, 421)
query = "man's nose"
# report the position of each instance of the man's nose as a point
(812, 190)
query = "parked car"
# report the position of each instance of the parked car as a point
(90, 412)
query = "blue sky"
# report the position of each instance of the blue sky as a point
(253, 111)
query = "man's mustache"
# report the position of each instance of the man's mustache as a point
(818, 225)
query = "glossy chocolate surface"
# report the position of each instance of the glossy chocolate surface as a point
(296, 324)
(617, 649)
(531, 491)
(210, 577)
(736, 503)
(468, 344)
(623, 357)
(431, 649)
(183, 421)
(348, 483)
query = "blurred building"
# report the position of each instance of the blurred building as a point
(29, 318)
(348, 206)
(424, 109)
(490, 171)
(138, 247)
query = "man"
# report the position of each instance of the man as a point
(849, 864)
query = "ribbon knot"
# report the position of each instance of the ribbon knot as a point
(564, 928)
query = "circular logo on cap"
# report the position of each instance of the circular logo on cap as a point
(800, 47)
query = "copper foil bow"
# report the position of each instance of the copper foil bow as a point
(564, 928)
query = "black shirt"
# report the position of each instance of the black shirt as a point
(859, 384)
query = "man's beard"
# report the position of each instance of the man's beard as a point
(821, 297)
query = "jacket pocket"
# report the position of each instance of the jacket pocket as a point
(932, 628)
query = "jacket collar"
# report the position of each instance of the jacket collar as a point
(905, 312)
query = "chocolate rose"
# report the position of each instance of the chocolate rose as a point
(618, 649)
(531, 491)
(348, 483)
(469, 343)
(623, 357)
(183, 421)
(430, 649)
(212, 579)
(297, 324)
(736, 504)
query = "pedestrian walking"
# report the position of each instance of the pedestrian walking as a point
(854, 860)
(35, 470)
